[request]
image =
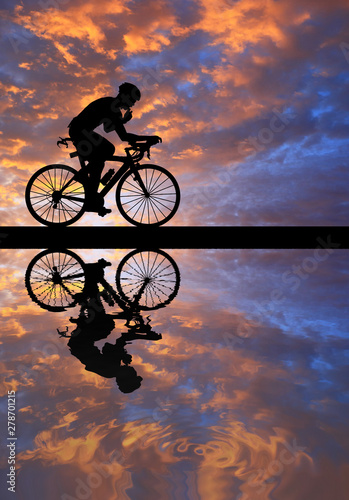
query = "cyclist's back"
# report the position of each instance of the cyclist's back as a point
(105, 110)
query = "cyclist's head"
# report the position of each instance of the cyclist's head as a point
(127, 379)
(129, 94)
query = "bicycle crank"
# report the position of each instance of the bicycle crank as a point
(56, 198)
(56, 277)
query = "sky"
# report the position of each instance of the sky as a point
(249, 97)
(245, 396)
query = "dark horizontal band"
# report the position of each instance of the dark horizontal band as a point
(333, 237)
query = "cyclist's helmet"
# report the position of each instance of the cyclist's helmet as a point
(127, 379)
(128, 89)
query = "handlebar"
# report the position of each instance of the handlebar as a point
(140, 148)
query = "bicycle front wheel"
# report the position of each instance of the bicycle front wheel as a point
(155, 207)
(152, 276)
(54, 197)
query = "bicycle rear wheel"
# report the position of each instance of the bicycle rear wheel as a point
(54, 197)
(53, 279)
(155, 207)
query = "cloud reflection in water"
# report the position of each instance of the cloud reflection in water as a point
(237, 401)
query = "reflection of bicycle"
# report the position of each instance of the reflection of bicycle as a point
(56, 280)
(145, 194)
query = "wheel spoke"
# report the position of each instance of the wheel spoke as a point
(47, 188)
(157, 186)
(49, 182)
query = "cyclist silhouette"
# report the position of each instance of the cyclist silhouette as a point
(105, 362)
(145, 280)
(94, 323)
(113, 360)
(112, 113)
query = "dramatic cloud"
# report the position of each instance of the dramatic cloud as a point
(249, 97)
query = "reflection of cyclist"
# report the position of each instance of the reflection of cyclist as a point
(112, 113)
(107, 362)
(94, 324)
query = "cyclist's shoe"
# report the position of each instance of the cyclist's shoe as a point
(97, 206)
(103, 211)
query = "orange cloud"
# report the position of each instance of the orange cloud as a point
(52, 449)
(176, 125)
(10, 196)
(248, 22)
(12, 147)
(11, 95)
(251, 457)
(9, 89)
(136, 42)
(189, 322)
(26, 65)
(12, 328)
(189, 153)
(22, 310)
(100, 90)
(77, 22)
(152, 32)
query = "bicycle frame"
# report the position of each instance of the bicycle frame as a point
(133, 307)
(128, 164)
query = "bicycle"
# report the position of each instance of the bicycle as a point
(56, 195)
(56, 280)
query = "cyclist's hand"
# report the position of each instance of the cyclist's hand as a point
(127, 116)
(154, 139)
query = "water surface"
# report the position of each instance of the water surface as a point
(245, 396)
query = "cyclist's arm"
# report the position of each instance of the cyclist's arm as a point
(132, 138)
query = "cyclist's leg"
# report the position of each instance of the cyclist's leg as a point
(94, 149)
(84, 148)
(94, 169)
(102, 151)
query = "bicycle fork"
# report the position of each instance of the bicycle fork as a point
(136, 175)
(138, 179)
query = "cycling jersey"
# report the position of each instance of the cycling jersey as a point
(104, 111)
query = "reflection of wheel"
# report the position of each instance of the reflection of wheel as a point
(153, 275)
(53, 196)
(53, 278)
(155, 207)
